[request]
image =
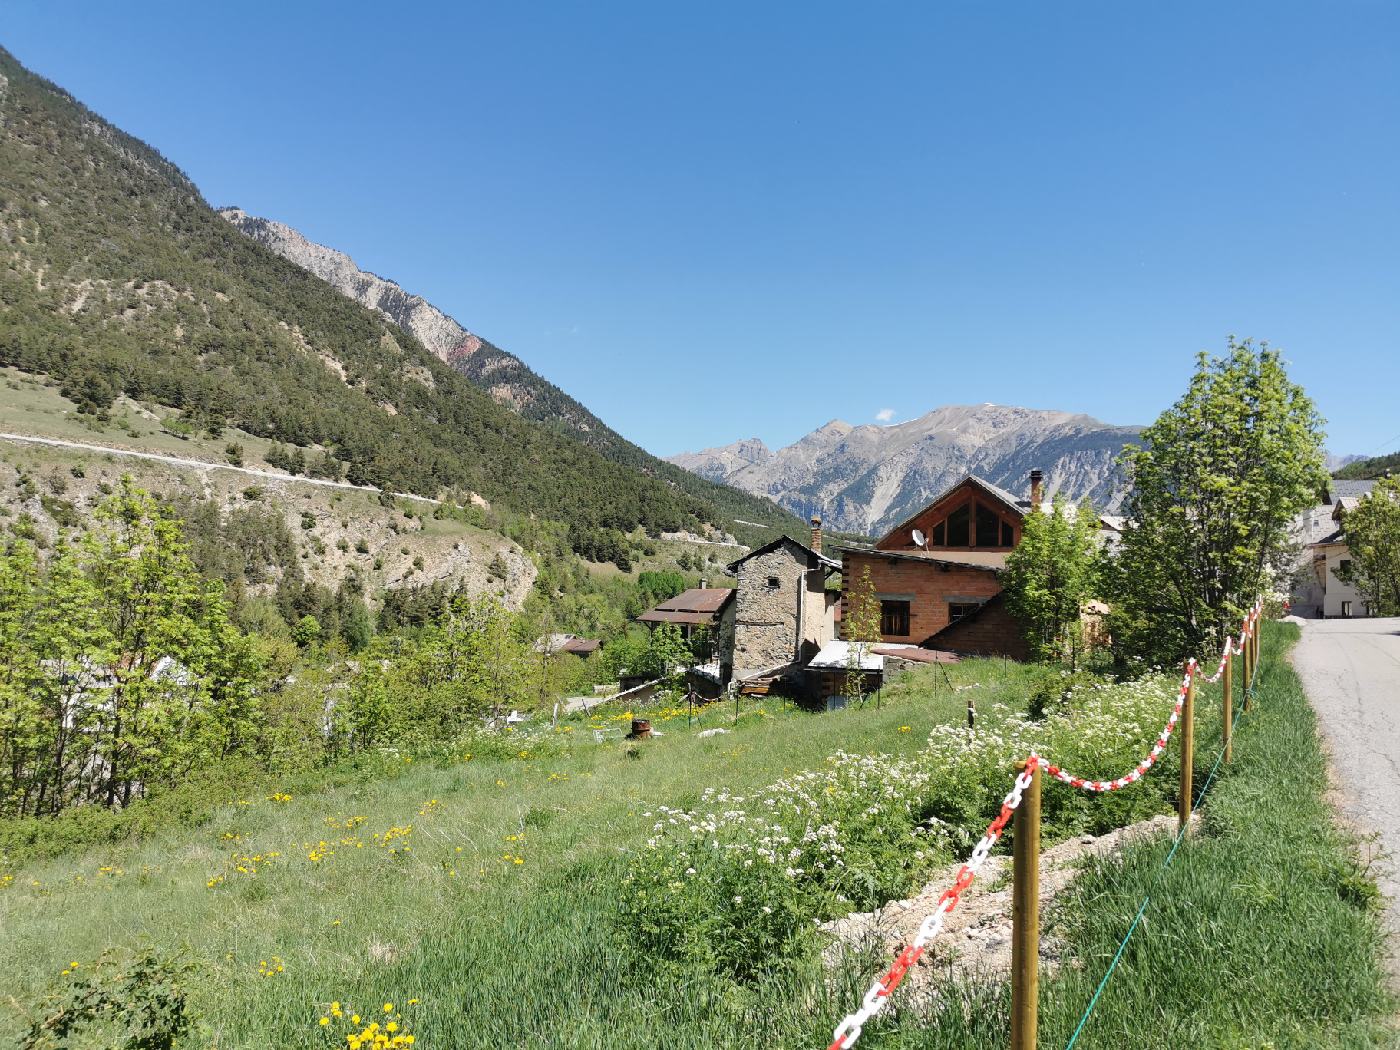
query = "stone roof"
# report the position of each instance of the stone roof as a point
(813, 558)
(1342, 489)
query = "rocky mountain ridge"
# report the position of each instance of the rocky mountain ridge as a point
(869, 478)
(502, 375)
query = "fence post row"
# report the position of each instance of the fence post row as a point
(1025, 888)
(1025, 915)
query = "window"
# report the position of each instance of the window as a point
(774, 583)
(1343, 567)
(1346, 608)
(988, 527)
(974, 524)
(957, 610)
(894, 618)
(957, 526)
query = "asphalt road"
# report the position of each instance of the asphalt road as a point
(1351, 670)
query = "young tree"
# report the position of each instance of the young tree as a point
(860, 626)
(1372, 532)
(1217, 482)
(1050, 576)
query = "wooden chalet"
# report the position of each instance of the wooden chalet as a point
(937, 574)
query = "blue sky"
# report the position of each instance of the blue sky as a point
(717, 221)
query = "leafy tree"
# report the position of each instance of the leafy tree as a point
(1372, 532)
(120, 671)
(307, 631)
(1050, 576)
(432, 686)
(1218, 480)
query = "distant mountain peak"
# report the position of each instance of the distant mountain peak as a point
(866, 478)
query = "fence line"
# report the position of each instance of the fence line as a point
(879, 992)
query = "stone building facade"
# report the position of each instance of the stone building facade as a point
(783, 613)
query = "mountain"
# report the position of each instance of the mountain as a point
(869, 478)
(1334, 462)
(117, 278)
(502, 375)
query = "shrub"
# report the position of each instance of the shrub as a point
(136, 1005)
(742, 878)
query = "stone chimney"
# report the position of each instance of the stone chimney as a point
(816, 534)
(1037, 489)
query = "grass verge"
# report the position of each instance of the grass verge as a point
(1264, 932)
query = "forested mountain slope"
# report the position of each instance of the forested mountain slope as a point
(501, 374)
(118, 278)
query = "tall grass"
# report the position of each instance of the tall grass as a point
(1263, 920)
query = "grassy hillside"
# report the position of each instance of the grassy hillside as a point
(480, 896)
(117, 278)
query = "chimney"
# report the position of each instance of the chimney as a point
(704, 583)
(816, 534)
(1037, 489)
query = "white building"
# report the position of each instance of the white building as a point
(1317, 590)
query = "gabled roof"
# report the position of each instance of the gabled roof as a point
(1343, 489)
(813, 558)
(695, 606)
(1016, 506)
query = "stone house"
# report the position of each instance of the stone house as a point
(783, 612)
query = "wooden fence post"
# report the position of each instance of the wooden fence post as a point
(1248, 676)
(1188, 744)
(1025, 916)
(1227, 708)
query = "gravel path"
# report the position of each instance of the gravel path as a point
(1351, 670)
(202, 464)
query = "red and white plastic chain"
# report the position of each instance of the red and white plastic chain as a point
(1233, 647)
(1192, 669)
(848, 1031)
(1136, 773)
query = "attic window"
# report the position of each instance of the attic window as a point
(774, 583)
(987, 526)
(957, 526)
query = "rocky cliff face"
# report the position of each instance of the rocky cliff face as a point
(869, 478)
(433, 328)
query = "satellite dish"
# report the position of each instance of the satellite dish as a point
(918, 538)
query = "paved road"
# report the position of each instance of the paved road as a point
(1351, 670)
